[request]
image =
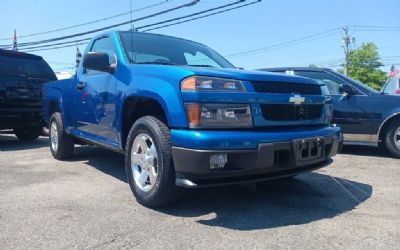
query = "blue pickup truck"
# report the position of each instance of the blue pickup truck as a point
(367, 117)
(186, 117)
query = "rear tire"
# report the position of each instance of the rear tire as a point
(61, 144)
(148, 163)
(27, 134)
(392, 138)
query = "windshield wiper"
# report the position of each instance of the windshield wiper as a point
(201, 65)
(160, 63)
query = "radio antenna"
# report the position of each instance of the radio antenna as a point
(132, 57)
(132, 25)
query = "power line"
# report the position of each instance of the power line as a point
(204, 16)
(287, 43)
(37, 48)
(90, 22)
(51, 48)
(375, 28)
(56, 44)
(193, 2)
(65, 16)
(191, 15)
(20, 4)
(297, 41)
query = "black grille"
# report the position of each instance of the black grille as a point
(286, 88)
(291, 112)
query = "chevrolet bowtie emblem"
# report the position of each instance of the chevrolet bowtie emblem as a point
(297, 99)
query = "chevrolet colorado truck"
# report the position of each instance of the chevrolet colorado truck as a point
(367, 117)
(22, 77)
(186, 117)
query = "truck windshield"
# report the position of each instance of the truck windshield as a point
(145, 48)
(25, 67)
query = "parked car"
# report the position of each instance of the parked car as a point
(22, 76)
(184, 116)
(392, 87)
(366, 116)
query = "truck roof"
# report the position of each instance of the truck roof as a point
(13, 53)
(139, 32)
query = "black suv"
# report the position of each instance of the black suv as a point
(367, 117)
(22, 77)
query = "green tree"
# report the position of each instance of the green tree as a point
(364, 66)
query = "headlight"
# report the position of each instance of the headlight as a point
(328, 113)
(328, 104)
(207, 115)
(203, 83)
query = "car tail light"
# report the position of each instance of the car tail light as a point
(397, 91)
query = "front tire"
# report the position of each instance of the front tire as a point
(27, 134)
(148, 163)
(61, 144)
(392, 138)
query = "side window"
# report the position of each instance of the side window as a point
(331, 82)
(391, 86)
(103, 44)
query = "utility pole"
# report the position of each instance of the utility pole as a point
(347, 40)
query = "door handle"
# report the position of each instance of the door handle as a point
(80, 85)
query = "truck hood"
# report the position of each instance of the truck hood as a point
(249, 75)
(180, 72)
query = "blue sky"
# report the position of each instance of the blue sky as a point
(261, 25)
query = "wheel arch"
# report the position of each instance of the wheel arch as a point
(135, 107)
(385, 124)
(51, 105)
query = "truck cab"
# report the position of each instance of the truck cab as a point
(185, 117)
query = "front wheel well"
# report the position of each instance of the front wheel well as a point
(385, 126)
(136, 107)
(53, 107)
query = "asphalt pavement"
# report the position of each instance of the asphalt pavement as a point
(86, 203)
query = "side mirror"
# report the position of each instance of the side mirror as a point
(347, 90)
(98, 61)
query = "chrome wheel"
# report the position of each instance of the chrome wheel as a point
(397, 137)
(54, 136)
(144, 162)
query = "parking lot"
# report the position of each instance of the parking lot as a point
(85, 203)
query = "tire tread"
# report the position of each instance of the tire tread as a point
(389, 142)
(65, 142)
(168, 191)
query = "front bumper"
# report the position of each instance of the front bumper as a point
(270, 158)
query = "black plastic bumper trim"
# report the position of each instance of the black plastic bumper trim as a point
(269, 160)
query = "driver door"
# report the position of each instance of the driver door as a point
(94, 98)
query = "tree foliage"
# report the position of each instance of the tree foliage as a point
(364, 66)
